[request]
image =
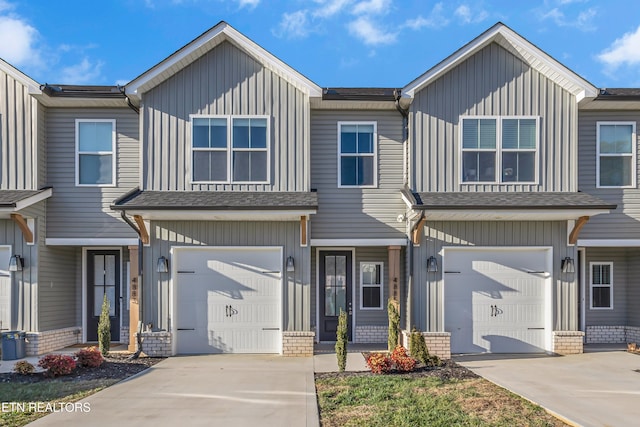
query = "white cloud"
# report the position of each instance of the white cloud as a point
(5, 5)
(584, 20)
(436, 19)
(251, 4)
(84, 72)
(623, 51)
(293, 25)
(371, 33)
(467, 16)
(329, 8)
(21, 51)
(372, 7)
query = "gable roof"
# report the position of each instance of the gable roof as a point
(34, 87)
(518, 46)
(204, 43)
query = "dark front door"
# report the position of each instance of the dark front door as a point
(336, 277)
(103, 278)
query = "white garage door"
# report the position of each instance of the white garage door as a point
(495, 299)
(228, 300)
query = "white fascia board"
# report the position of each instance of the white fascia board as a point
(90, 242)
(517, 41)
(221, 215)
(25, 203)
(602, 243)
(357, 242)
(234, 36)
(510, 214)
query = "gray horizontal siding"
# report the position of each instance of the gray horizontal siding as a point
(357, 212)
(493, 82)
(427, 290)
(633, 288)
(224, 81)
(18, 136)
(621, 284)
(622, 223)
(84, 212)
(165, 234)
(59, 289)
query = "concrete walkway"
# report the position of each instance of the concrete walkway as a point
(234, 390)
(592, 389)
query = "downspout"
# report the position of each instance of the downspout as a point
(126, 219)
(129, 103)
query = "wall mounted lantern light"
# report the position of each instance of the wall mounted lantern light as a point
(16, 263)
(567, 265)
(290, 264)
(163, 265)
(432, 264)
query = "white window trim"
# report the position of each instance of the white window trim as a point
(112, 152)
(591, 285)
(381, 285)
(499, 150)
(634, 143)
(229, 150)
(374, 154)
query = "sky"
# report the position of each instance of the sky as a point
(335, 43)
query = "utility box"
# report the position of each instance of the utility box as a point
(13, 345)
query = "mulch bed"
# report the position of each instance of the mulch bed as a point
(116, 366)
(448, 370)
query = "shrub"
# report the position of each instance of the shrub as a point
(23, 367)
(341, 341)
(394, 324)
(104, 328)
(89, 357)
(379, 363)
(57, 364)
(401, 360)
(418, 347)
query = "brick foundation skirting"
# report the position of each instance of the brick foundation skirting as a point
(156, 344)
(612, 334)
(124, 334)
(371, 334)
(297, 343)
(438, 343)
(568, 342)
(38, 343)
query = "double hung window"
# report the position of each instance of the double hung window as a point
(616, 154)
(95, 152)
(357, 152)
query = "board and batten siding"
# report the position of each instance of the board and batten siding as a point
(224, 81)
(166, 234)
(427, 289)
(493, 82)
(357, 212)
(633, 288)
(84, 212)
(624, 221)
(622, 283)
(18, 136)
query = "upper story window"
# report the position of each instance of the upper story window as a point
(230, 149)
(601, 285)
(95, 152)
(616, 153)
(499, 149)
(357, 154)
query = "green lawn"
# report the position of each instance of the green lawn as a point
(50, 391)
(414, 400)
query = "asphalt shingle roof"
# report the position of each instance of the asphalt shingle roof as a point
(216, 200)
(9, 198)
(530, 200)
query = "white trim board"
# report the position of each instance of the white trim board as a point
(91, 242)
(357, 242)
(603, 243)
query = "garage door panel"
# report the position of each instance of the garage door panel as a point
(494, 300)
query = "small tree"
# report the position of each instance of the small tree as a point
(418, 346)
(394, 324)
(341, 341)
(104, 328)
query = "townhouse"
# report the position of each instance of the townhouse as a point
(225, 203)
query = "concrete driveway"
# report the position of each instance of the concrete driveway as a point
(591, 389)
(232, 390)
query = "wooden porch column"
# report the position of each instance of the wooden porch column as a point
(134, 304)
(394, 274)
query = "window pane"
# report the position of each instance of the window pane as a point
(616, 139)
(615, 171)
(528, 134)
(250, 166)
(95, 169)
(470, 166)
(348, 138)
(478, 166)
(518, 167)
(371, 297)
(200, 133)
(209, 133)
(95, 136)
(348, 171)
(365, 170)
(110, 270)
(98, 297)
(330, 308)
(510, 134)
(241, 133)
(371, 274)
(98, 270)
(601, 296)
(209, 165)
(365, 138)
(258, 133)
(487, 133)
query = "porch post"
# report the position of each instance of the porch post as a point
(394, 274)
(134, 305)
